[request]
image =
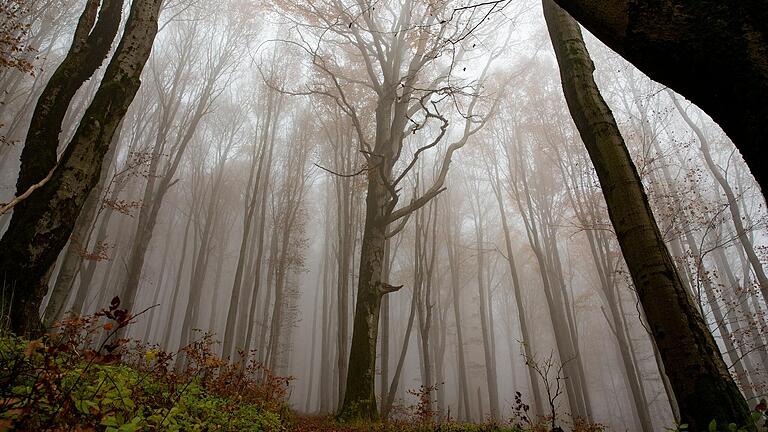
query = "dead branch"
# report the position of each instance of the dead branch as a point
(5, 208)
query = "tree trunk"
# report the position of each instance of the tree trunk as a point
(387, 404)
(42, 224)
(703, 387)
(463, 384)
(78, 242)
(384, 355)
(360, 395)
(90, 46)
(169, 325)
(485, 324)
(535, 394)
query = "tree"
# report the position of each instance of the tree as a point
(410, 91)
(712, 52)
(733, 205)
(42, 224)
(702, 384)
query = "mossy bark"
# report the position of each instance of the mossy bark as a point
(713, 52)
(700, 379)
(42, 224)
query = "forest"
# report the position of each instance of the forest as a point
(384, 215)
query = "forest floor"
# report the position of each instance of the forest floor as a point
(328, 424)
(321, 424)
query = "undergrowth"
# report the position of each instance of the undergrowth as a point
(84, 377)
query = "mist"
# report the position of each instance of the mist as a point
(391, 204)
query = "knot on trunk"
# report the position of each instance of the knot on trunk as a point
(385, 288)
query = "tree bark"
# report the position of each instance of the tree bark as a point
(486, 325)
(702, 384)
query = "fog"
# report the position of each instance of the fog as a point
(235, 196)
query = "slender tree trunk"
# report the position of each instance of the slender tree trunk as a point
(733, 204)
(326, 376)
(386, 406)
(453, 262)
(485, 325)
(535, 393)
(312, 366)
(238, 309)
(171, 322)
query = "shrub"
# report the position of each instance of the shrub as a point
(69, 381)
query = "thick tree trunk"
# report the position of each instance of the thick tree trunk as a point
(42, 224)
(360, 395)
(713, 52)
(384, 355)
(78, 243)
(90, 46)
(703, 387)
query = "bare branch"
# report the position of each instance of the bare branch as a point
(5, 208)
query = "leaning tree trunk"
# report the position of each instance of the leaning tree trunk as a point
(78, 243)
(702, 385)
(713, 52)
(42, 224)
(90, 46)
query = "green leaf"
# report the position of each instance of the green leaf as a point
(713, 426)
(110, 421)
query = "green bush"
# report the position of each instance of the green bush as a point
(67, 381)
